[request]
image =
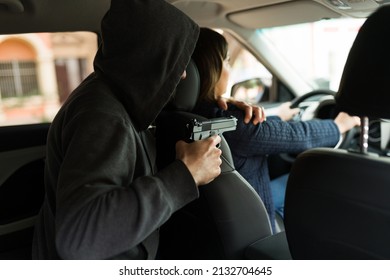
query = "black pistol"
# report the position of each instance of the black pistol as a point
(199, 130)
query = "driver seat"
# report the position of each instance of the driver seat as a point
(229, 216)
(337, 201)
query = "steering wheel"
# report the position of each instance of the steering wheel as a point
(314, 110)
(295, 102)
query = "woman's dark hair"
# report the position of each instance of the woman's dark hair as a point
(210, 52)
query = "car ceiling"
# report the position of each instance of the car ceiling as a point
(23, 16)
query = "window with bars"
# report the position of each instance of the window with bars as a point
(18, 79)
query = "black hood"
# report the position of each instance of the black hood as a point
(146, 46)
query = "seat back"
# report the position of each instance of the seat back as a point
(228, 216)
(337, 201)
(22, 153)
(337, 206)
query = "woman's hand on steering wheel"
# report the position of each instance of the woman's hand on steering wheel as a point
(286, 112)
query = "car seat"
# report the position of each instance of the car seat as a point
(337, 201)
(228, 216)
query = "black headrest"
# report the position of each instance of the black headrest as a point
(365, 87)
(187, 92)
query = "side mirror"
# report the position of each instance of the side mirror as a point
(252, 91)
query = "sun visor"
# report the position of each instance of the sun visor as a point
(282, 14)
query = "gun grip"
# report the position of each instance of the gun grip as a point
(212, 133)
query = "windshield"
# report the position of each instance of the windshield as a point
(317, 51)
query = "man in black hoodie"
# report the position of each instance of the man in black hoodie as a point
(104, 198)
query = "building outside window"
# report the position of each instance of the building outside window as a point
(39, 71)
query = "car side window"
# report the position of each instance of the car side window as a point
(249, 79)
(38, 72)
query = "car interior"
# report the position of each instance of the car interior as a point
(229, 220)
